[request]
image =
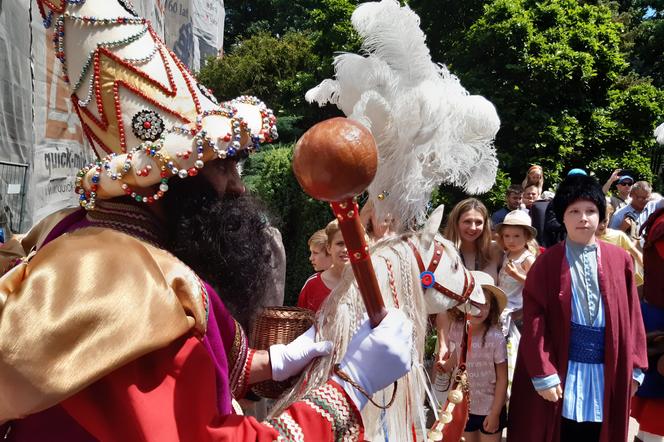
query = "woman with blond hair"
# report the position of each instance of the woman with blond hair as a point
(534, 177)
(468, 227)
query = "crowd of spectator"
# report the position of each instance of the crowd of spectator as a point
(501, 249)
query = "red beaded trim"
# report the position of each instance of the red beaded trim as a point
(104, 123)
(59, 9)
(246, 372)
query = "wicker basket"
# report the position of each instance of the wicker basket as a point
(278, 325)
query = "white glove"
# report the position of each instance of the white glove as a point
(289, 360)
(377, 357)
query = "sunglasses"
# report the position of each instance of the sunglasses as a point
(626, 183)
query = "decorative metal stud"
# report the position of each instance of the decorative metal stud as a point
(147, 125)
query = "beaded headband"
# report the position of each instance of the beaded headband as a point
(141, 109)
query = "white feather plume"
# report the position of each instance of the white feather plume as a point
(428, 129)
(659, 134)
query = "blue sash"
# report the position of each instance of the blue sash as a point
(586, 344)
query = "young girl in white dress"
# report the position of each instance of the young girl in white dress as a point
(517, 238)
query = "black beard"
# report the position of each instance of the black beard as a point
(224, 240)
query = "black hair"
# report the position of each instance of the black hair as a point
(224, 240)
(514, 188)
(578, 187)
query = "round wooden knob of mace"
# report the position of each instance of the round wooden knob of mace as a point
(335, 159)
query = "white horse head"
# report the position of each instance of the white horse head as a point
(450, 272)
(399, 277)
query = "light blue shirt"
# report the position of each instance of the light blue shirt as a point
(640, 217)
(583, 398)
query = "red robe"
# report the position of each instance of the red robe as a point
(543, 350)
(170, 396)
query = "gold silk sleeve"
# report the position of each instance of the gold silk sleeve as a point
(87, 303)
(19, 246)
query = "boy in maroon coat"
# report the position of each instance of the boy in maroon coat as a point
(583, 344)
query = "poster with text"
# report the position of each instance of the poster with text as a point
(59, 146)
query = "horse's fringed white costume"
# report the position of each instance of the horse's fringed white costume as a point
(429, 130)
(399, 278)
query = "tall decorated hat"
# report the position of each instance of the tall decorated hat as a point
(143, 112)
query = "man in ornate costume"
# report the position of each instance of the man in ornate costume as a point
(110, 324)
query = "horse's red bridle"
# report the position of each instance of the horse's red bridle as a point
(428, 279)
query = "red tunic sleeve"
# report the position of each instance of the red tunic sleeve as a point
(637, 333)
(169, 395)
(539, 361)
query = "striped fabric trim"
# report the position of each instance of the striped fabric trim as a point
(332, 405)
(205, 298)
(237, 361)
(288, 429)
(127, 218)
(268, 424)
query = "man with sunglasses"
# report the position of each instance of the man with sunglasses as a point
(624, 185)
(630, 218)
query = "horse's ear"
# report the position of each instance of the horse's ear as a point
(431, 226)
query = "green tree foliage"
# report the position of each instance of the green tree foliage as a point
(562, 85)
(647, 53)
(269, 175)
(577, 83)
(245, 18)
(276, 69)
(330, 22)
(445, 23)
(329, 19)
(278, 50)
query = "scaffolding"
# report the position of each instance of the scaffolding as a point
(13, 180)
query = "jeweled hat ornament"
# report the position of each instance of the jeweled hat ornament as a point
(142, 111)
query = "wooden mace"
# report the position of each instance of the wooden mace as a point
(334, 161)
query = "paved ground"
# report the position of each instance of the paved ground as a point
(633, 428)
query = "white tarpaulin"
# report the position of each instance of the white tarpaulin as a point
(16, 137)
(38, 125)
(153, 10)
(59, 150)
(207, 19)
(193, 28)
(15, 81)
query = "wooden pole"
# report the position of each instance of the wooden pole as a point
(347, 213)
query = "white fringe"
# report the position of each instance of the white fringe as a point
(343, 310)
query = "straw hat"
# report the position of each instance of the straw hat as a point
(487, 283)
(518, 218)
